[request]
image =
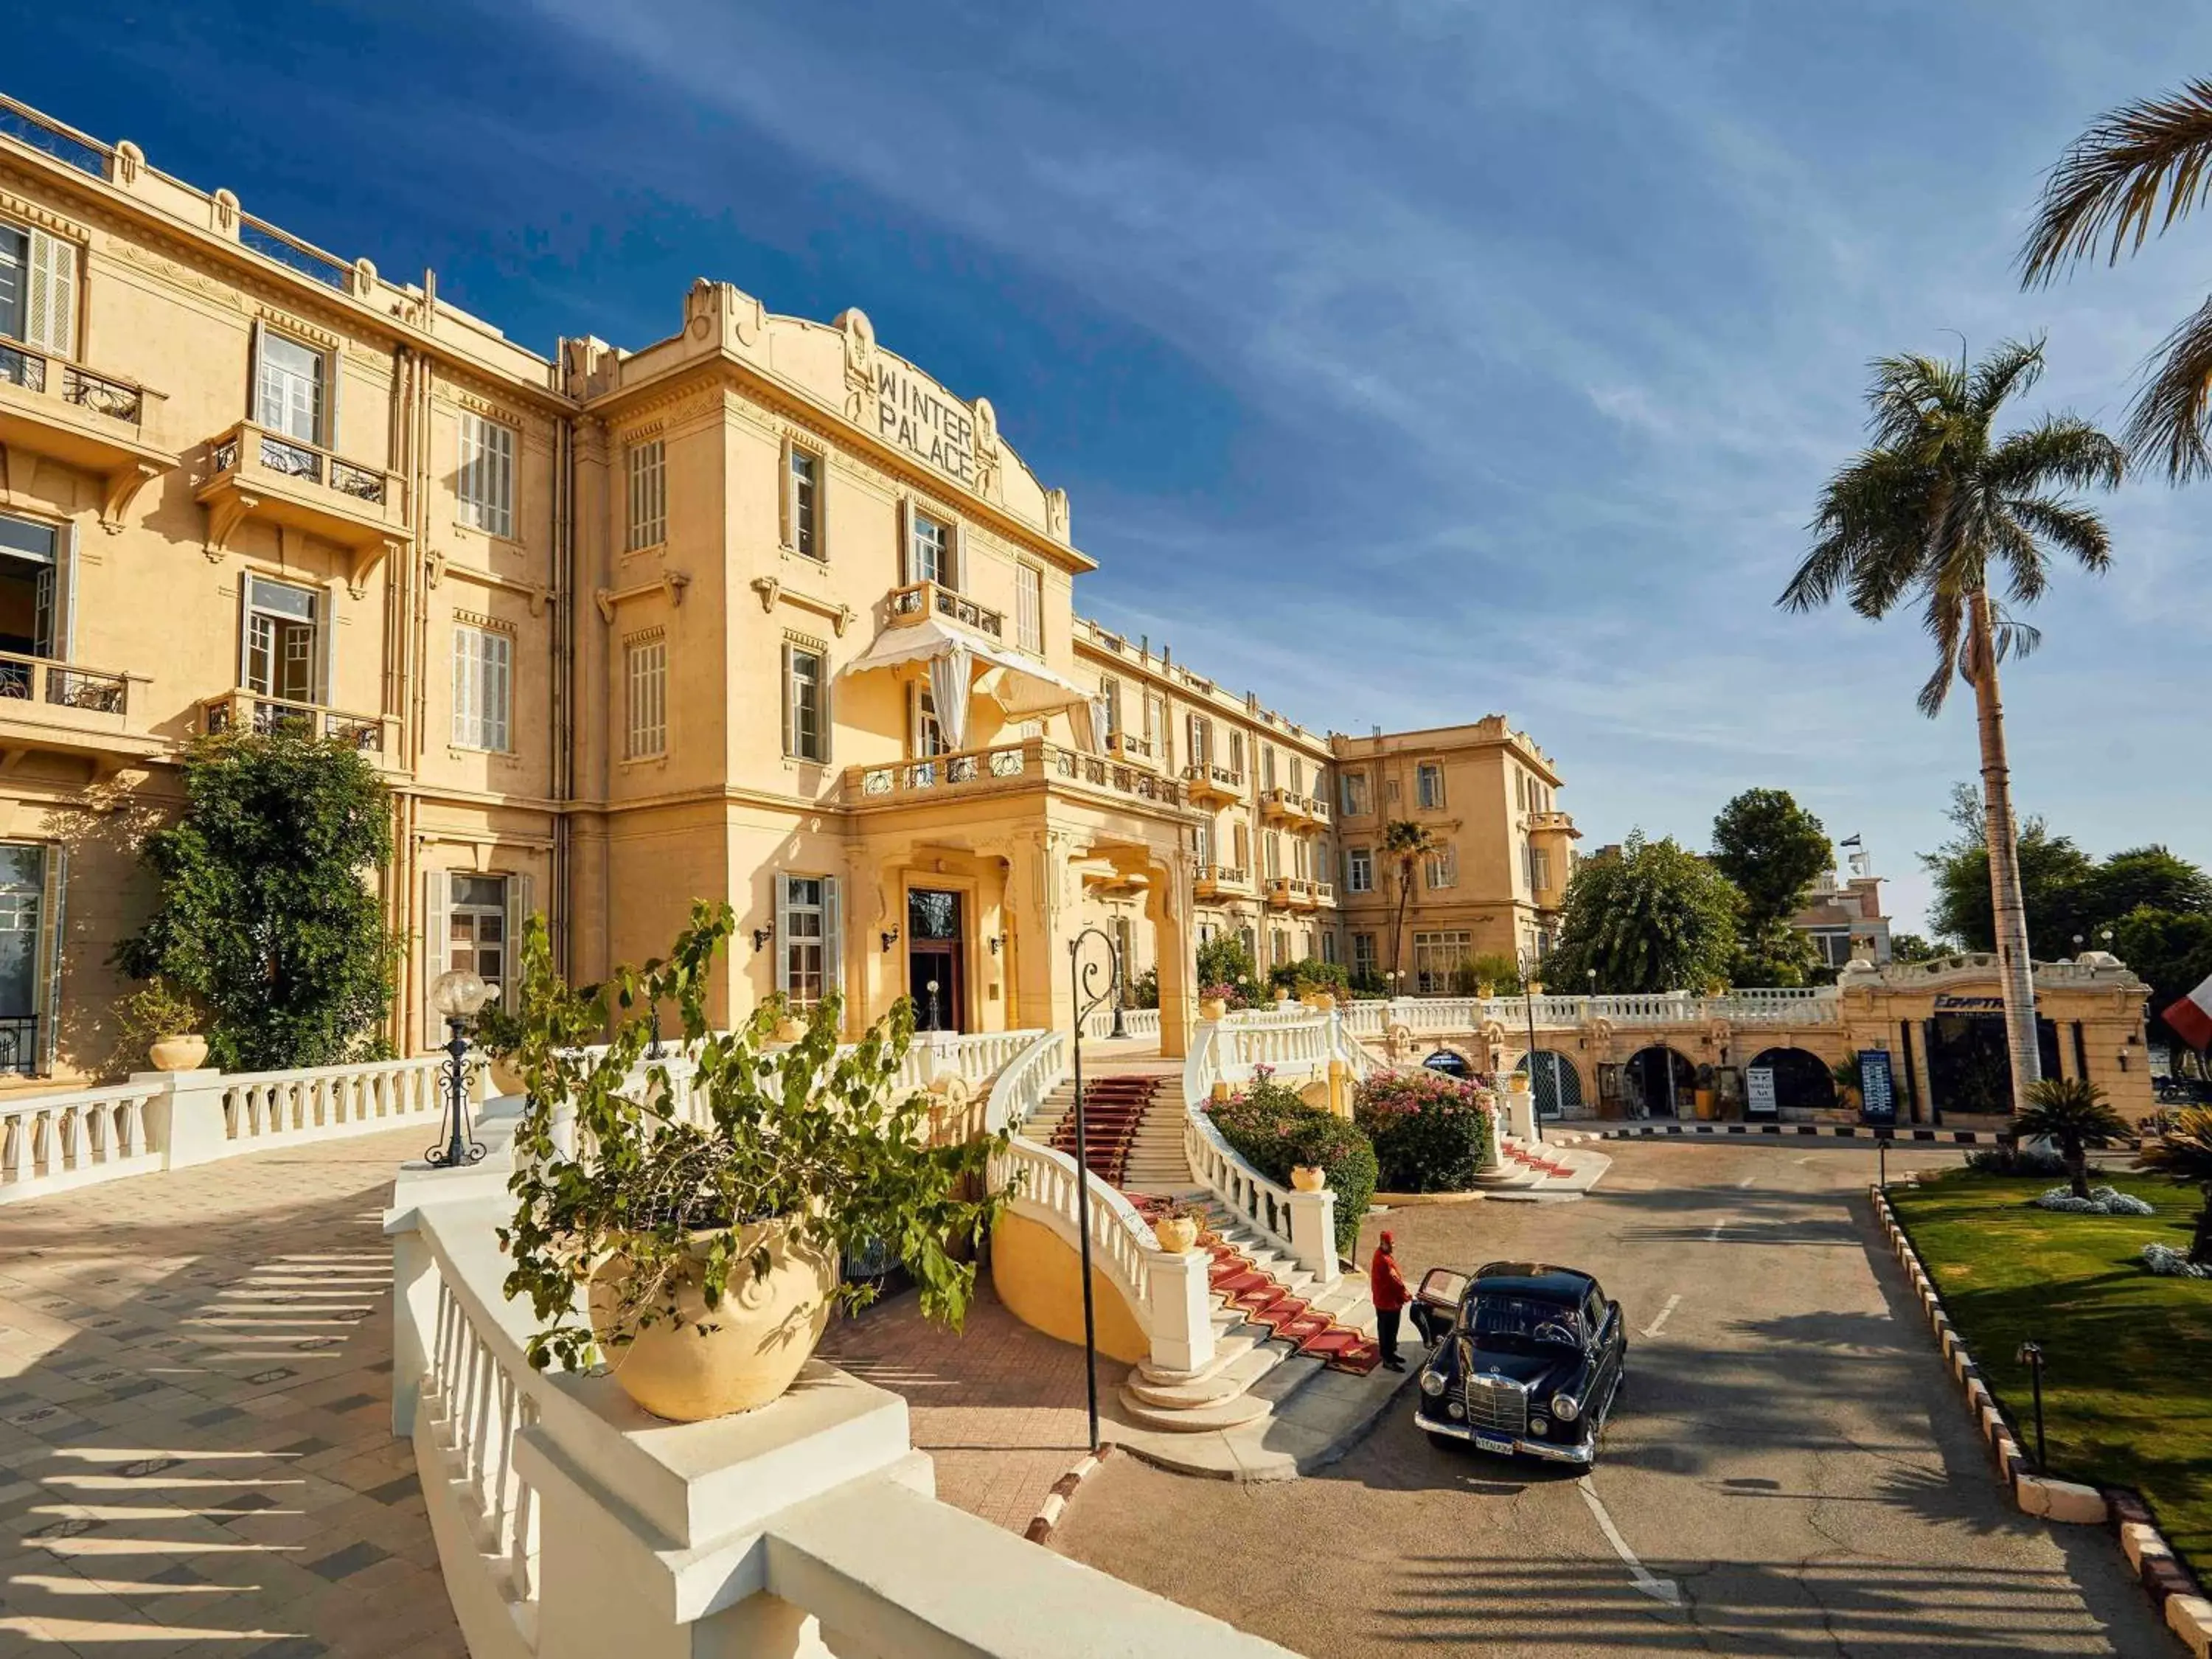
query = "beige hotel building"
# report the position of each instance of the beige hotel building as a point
(760, 611)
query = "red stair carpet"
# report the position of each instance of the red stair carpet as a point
(1113, 1111)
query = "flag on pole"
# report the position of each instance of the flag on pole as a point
(2191, 1016)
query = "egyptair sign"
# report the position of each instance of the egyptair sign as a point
(1969, 1005)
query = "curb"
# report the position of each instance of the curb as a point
(1040, 1528)
(2169, 1584)
(1903, 1134)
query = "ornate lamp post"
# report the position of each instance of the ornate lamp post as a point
(458, 994)
(1082, 978)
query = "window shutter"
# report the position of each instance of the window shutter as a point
(254, 412)
(790, 708)
(833, 936)
(62, 628)
(50, 317)
(521, 905)
(905, 542)
(437, 948)
(53, 935)
(782, 932)
(464, 680)
(786, 525)
(333, 371)
(951, 557)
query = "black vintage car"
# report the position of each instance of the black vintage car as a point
(1525, 1357)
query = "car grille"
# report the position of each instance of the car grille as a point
(1493, 1402)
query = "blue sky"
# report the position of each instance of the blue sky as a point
(1405, 361)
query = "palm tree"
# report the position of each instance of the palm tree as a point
(2184, 1154)
(1407, 843)
(2073, 1112)
(2138, 168)
(1923, 513)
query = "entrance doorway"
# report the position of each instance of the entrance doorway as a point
(1558, 1085)
(1660, 1083)
(1970, 1066)
(936, 958)
(28, 553)
(1802, 1080)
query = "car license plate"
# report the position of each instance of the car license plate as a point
(1491, 1442)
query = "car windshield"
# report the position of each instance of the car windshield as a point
(1522, 1321)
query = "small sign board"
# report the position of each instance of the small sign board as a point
(1877, 1088)
(1759, 1091)
(1449, 1064)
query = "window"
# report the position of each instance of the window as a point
(926, 732)
(485, 485)
(30, 966)
(484, 666)
(1029, 608)
(1250, 940)
(1520, 789)
(648, 495)
(645, 698)
(1441, 868)
(805, 711)
(476, 929)
(805, 504)
(1437, 957)
(1244, 840)
(1359, 870)
(1540, 869)
(1301, 858)
(1297, 774)
(1364, 963)
(1237, 754)
(29, 588)
(1278, 946)
(808, 933)
(1156, 728)
(283, 641)
(288, 395)
(929, 551)
(1275, 849)
(1430, 779)
(1110, 688)
(1353, 787)
(38, 291)
(1329, 947)
(1202, 841)
(1267, 766)
(1198, 740)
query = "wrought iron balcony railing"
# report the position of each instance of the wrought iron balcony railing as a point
(62, 685)
(918, 601)
(241, 710)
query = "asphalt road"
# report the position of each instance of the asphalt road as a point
(1790, 1470)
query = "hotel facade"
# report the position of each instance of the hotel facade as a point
(760, 611)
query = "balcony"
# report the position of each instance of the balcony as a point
(61, 411)
(1305, 894)
(1128, 746)
(65, 708)
(250, 711)
(1220, 881)
(1209, 784)
(1291, 807)
(1324, 895)
(920, 601)
(302, 488)
(1276, 889)
(1029, 764)
(1558, 823)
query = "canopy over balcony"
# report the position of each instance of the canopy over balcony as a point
(1021, 685)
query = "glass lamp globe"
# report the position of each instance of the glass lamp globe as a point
(458, 993)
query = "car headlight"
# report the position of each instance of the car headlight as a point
(1565, 1407)
(1538, 1426)
(1433, 1383)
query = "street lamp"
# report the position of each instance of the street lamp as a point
(458, 994)
(1532, 964)
(1082, 977)
(2031, 1355)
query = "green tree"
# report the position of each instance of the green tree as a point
(2139, 167)
(1405, 843)
(1910, 947)
(1938, 508)
(1656, 918)
(1223, 960)
(1773, 850)
(2054, 874)
(2074, 1113)
(2146, 878)
(2184, 1154)
(265, 912)
(2172, 953)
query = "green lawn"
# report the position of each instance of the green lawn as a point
(2127, 1395)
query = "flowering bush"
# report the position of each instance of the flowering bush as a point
(2170, 1263)
(1272, 1130)
(1432, 1133)
(2102, 1200)
(1226, 993)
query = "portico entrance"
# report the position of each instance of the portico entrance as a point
(1660, 1083)
(936, 958)
(1969, 1065)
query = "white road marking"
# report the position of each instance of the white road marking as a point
(1746, 1180)
(1652, 1329)
(1714, 1237)
(1659, 1589)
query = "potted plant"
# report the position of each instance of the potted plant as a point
(1846, 1073)
(1176, 1225)
(1702, 1096)
(698, 1205)
(1213, 1003)
(167, 1022)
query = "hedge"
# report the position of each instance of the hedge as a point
(1273, 1131)
(1431, 1132)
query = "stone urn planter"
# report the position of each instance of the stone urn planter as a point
(179, 1051)
(1321, 1001)
(1535, 988)
(766, 1328)
(1308, 1177)
(790, 1028)
(1282, 995)
(1214, 1010)
(1177, 1234)
(1485, 989)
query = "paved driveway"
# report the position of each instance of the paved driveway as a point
(1790, 1471)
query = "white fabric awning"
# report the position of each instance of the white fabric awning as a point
(1020, 684)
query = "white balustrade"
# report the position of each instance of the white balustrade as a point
(1098, 1024)
(324, 1103)
(50, 1143)
(1026, 1082)
(1304, 1224)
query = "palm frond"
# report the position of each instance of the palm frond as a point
(1870, 514)
(2064, 524)
(1945, 621)
(2013, 637)
(2023, 560)
(2060, 449)
(1909, 394)
(2109, 183)
(2014, 366)
(2166, 426)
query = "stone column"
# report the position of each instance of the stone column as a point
(1313, 1233)
(186, 1120)
(1167, 906)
